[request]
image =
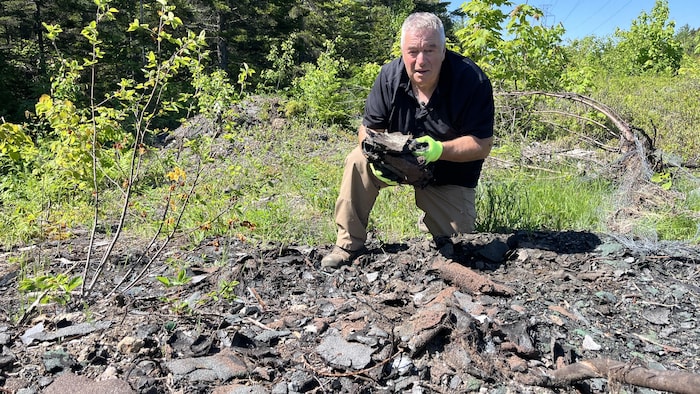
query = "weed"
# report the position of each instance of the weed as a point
(178, 280)
(225, 291)
(50, 288)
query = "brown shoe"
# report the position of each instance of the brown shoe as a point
(339, 257)
(445, 247)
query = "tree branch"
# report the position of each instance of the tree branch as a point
(672, 381)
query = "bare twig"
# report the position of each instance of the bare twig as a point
(170, 236)
(354, 373)
(258, 298)
(32, 306)
(589, 120)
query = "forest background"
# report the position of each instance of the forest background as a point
(100, 100)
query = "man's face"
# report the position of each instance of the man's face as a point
(423, 55)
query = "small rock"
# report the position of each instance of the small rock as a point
(147, 330)
(495, 251)
(372, 276)
(318, 326)
(58, 360)
(341, 353)
(186, 345)
(130, 345)
(109, 373)
(222, 366)
(279, 388)
(658, 316)
(517, 364)
(270, 336)
(239, 389)
(6, 360)
(301, 382)
(37, 332)
(518, 308)
(590, 344)
(74, 384)
(403, 365)
(363, 339)
(15, 384)
(264, 373)
(606, 296)
(29, 335)
(45, 381)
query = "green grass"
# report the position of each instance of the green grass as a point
(524, 200)
(395, 215)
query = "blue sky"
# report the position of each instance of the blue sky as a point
(600, 17)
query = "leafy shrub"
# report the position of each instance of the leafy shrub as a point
(17, 150)
(321, 89)
(650, 44)
(530, 58)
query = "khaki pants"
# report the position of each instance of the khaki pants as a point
(448, 209)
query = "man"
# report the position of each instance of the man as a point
(443, 100)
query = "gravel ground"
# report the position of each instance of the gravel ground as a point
(502, 315)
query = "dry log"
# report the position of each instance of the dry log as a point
(628, 138)
(618, 372)
(626, 132)
(468, 280)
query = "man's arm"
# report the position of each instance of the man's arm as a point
(462, 149)
(466, 148)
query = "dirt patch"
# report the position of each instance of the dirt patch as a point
(393, 321)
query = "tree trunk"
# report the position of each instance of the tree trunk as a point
(40, 37)
(221, 47)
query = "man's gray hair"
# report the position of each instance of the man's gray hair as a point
(422, 21)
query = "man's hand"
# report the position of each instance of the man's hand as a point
(381, 176)
(431, 150)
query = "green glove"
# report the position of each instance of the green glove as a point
(381, 176)
(432, 151)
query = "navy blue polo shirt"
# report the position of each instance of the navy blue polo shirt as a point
(462, 104)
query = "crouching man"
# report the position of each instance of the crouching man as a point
(444, 101)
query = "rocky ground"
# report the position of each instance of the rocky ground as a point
(503, 315)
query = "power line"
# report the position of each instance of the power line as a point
(592, 15)
(612, 16)
(570, 12)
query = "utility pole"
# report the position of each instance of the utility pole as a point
(546, 15)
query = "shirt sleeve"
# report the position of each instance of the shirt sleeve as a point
(379, 102)
(476, 110)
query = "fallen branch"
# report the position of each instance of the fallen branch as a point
(468, 280)
(672, 381)
(628, 138)
(626, 132)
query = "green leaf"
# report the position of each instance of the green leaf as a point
(74, 283)
(135, 25)
(164, 280)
